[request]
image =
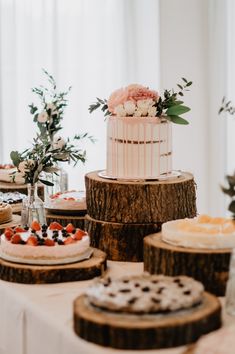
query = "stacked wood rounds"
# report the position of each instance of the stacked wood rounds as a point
(211, 267)
(121, 213)
(130, 331)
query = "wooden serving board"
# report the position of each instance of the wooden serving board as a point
(76, 220)
(14, 222)
(211, 267)
(154, 331)
(40, 274)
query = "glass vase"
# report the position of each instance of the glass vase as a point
(59, 180)
(33, 207)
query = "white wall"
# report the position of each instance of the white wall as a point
(185, 51)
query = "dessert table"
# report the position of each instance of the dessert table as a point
(38, 319)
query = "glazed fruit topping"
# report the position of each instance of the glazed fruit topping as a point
(70, 228)
(32, 241)
(49, 242)
(16, 239)
(19, 229)
(79, 234)
(35, 226)
(55, 226)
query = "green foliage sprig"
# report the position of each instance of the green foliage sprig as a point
(226, 107)
(230, 191)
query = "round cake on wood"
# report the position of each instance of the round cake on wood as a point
(145, 312)
(5, 213)
(199, 247)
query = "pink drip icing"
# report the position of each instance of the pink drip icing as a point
(159, 148)
(151, 127)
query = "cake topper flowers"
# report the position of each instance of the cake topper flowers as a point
(139, 101)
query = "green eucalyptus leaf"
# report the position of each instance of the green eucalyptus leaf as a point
(177, 110)
(46, 182)
(177, 120)
(16, 158)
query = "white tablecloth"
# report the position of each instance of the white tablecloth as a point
(38, 319)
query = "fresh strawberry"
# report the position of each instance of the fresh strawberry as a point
(8, 233)
(69, 228)
(69, 240)
(19, 229)
(55, 226)
(35, 226)
(16, 238)
(32, 241)
(49, 242)
(79, 234)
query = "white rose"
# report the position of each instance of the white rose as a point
(19, 178)
(58, 143)
(137, 113)
(25, 166)
(129, 107)
(120, 111)
(144, 105)
(152, 111)
(43, 117)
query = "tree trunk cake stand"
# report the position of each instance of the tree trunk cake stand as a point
(211, 267)
(153, 331)
(42, 274)
(14, 222)
(77, 220)
(120, 212)
(21, 188)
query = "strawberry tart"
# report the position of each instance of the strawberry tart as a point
(203, 231)
(42, 244)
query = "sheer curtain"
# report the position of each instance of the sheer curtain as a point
(94, 46)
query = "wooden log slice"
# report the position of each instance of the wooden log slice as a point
(16, 219)
(140, 201)
(121, 242)
(124, 331)
(21, 188)
(64, 220)
(40, 274)
(211, 267)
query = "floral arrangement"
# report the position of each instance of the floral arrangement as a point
(139, 101)
(48, 148)
(226, 107)
(230, 191)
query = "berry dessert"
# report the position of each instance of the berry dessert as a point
(67, 201)
(42, 244)
(12, 197)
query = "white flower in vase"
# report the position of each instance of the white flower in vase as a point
(58, 143)
(25, 166)
(52, 107)
(43, 117)
(19, 178)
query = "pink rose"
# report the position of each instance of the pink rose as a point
(133, 93)
(117, 97)
(139, 92)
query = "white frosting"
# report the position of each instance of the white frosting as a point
(56, 252)
(195, 233)
(145, 293)
(138, 147)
